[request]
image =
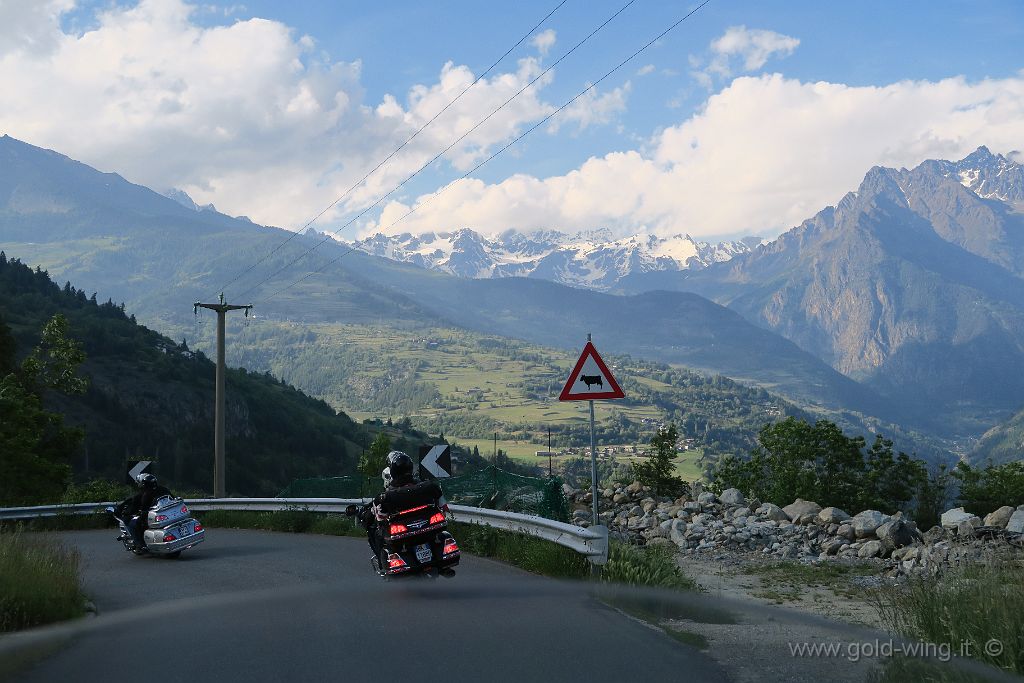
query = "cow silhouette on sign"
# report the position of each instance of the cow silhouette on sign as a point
(590, 380)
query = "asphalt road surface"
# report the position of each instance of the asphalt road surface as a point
(263, 606)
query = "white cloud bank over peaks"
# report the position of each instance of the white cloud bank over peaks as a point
(763, 154)
(246, 115)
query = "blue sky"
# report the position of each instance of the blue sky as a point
(274, 110)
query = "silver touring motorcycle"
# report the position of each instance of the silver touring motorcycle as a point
(170, 531)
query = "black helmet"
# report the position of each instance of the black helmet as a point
(147, 481)
(400, 466)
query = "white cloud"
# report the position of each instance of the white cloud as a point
(544, 41)
(754, 46)
(31, 26)
(645, 69)
(592, 108)
(751, 47)
(246, 115)
(764, 154)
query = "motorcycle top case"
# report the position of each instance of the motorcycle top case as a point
(167, 512)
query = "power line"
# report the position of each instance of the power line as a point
(495, 154)
(396, 150)
(439, 154)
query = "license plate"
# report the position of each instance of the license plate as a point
(184, 530)
(423, 553)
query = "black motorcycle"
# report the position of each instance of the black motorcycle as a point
(415, 541)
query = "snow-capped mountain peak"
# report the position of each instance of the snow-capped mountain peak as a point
(592, 259)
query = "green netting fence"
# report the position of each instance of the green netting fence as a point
(491, 488)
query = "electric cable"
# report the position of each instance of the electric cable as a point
(502, 149)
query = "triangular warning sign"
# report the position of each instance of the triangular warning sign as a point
(590, 379)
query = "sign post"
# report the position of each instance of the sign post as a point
(589, 380)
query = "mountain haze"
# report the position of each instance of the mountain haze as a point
(910, 285)
(159, 257)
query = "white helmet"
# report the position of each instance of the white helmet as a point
(386, 476)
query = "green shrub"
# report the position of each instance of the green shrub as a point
(97, 491)
(288, 521)
(38, 582)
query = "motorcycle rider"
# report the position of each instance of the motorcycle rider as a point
(134, 510)
(397, 475)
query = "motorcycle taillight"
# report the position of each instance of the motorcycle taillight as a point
(161, 518)
(398, 529)
(450, 547)
(437, 518)
(168, 538)
(184, 509)
(395, 561)
(199, 527)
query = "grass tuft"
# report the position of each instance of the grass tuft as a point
(526, 552)
(973, 607)
(645, 566)
(38, 582)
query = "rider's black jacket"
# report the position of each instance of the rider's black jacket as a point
(141, 502)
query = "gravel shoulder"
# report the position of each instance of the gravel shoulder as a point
(786, 604)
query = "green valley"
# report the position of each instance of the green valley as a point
(469, 386)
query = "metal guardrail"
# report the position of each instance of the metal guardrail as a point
(591, 542)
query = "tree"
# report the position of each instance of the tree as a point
(659, 470)
(985, 490)
(375, 458)
(794, 459)
(34, 444)
(932, 497)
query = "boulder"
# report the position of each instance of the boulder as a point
(966, 528)
(677, 531)
(707, 498)
(802, 511)
(620, 498)
(832, 547)
(846, 531)
(732, 497)
(741, 512)
(1000, 517)
(773, 512)
(951, 518)
(661, 541)
(870, 549)
(865, 523)
(832, 515)
(1016, 523)
(897, 533)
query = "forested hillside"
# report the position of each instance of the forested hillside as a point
(151, 398)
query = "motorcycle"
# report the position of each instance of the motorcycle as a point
(170, 529)
(415, 541)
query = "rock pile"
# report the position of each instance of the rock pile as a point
(705, 522)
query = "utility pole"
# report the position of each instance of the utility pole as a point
(549, 451)
(221, 309)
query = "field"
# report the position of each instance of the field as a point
(469, 386)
